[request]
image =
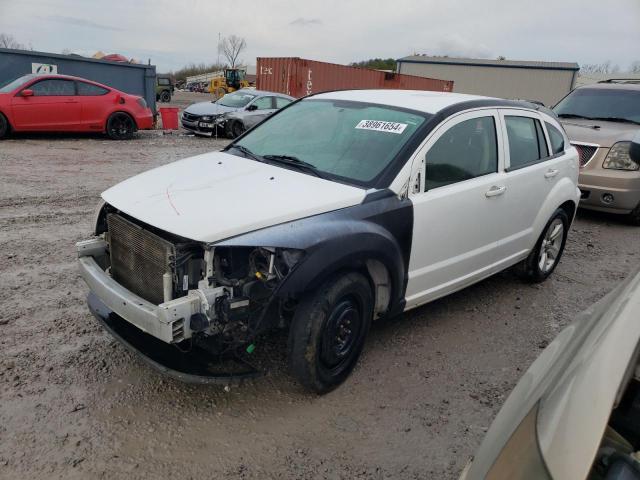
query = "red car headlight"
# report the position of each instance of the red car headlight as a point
(142, 102)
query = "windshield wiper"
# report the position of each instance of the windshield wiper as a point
(295, 162)
(247, 152)
(573, 115)
(616, 119)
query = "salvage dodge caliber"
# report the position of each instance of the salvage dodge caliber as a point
(340, 209)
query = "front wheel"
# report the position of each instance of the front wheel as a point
(120, 126)
(236, 129)
(4, 126)
(634, 216)
(328, 332)
(545, 256)
(165, 96)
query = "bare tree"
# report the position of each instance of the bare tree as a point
(604, 67)
(635, 67)
(231, 47)
(9, 41)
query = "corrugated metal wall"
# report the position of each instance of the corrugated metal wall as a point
(299, 77)
(129, 78)
(547, 86)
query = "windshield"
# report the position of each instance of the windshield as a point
(6, 87)
(236, 100)
(352, 140)
(600, 103)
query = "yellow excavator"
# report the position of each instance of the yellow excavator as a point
(231, 80)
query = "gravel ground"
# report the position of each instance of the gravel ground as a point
(75, 404)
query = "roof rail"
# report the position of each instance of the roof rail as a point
(620, 80)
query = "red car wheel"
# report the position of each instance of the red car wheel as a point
(120, 126)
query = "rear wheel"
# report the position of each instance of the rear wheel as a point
(4, 126)
(165, 96)
(545, 256)
(120, 126)
(328, 332)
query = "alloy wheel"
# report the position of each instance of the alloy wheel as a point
(551, 245)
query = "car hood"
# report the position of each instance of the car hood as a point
(217, 195)
(573, 384)
(609, 132)
(209, 108)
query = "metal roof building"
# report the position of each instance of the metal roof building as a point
(547, 82)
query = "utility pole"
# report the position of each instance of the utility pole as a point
(219, 38)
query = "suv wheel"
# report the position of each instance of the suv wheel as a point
(165, 96)
(545, 256)
(328, 332)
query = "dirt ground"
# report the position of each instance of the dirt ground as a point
(75, 404)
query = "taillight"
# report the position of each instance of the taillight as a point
(142, 102)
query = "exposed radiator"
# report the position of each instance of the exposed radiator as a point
(139, 258)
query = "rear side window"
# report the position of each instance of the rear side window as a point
(282, 102)
(89, 90)
(527, 144)
(467, 150)
(556, 138)
(164, 81)
(53, 88)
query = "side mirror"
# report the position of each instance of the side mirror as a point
(634, 149)
(27, 92)
(251, 108)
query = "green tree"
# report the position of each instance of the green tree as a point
(376, 63)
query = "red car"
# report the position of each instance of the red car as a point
(60, 103)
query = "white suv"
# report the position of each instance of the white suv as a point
(338, 210)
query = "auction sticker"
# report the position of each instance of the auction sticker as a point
(380, 126)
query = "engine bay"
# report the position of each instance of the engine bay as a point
(236, 285)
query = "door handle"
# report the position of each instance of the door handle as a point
(552, 172)
(495, 190)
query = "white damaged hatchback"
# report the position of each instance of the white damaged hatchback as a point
(340, 209)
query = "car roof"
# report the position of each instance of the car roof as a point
(44, 76)
(610, 86)
(262, 93)
(57, 75)
(421, 100)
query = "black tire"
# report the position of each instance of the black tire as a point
(537, 267)
(328, 331)
(120, 126)
(4, 126)
(634, 216)
(165, 96)
(236, 129)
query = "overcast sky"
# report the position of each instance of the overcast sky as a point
(173, 33)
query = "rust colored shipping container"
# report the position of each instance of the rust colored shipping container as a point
(299, 77)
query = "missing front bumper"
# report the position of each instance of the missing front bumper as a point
(194, 366)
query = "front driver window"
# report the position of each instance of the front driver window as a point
(54, 88)
(263, 103)
(467, 150)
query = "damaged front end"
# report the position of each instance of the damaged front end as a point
(191, 309)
